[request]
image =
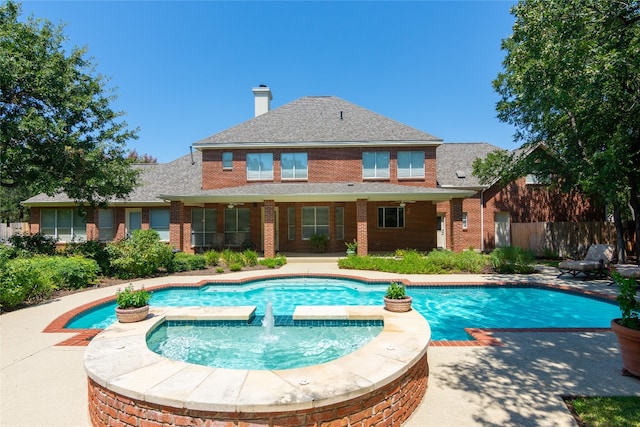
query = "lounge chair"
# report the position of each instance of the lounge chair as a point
(594, 264)
(630, 271)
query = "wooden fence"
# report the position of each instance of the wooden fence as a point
(8, 230)
(566, 239)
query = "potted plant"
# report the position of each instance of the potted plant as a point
(352, 247)
(318, 242)
(132, 304)
(627, 327)
(396, 298)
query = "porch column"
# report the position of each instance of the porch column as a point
(269, 229)
(175, 225)
(455, 225)
(361, 219)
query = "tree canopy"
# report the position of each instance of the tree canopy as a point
(571, 85)
(57, 130)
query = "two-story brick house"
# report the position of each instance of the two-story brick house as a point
(317, 165)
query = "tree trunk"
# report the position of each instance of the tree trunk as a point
(617, 220)
(634, 201)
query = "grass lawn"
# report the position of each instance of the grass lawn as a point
(621, 411)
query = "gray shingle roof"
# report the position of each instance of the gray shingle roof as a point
(318, 119)
(454, 163)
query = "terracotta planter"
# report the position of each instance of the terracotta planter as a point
(397, 305)
(129, 315)
(629, 342)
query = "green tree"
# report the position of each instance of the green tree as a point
(57, 131)
(571, 85)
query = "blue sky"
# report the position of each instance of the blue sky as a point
(184, 70)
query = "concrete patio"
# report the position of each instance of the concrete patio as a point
(518, 384)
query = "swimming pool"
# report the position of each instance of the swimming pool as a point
(449, 310)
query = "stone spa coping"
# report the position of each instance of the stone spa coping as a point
(119, 360)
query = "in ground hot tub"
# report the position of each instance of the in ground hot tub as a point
(382, 382)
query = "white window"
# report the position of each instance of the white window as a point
(227, 160)
(260, 166)
(375, 164)
(391, 217)
(105, 225)
(159, 220)
(339, 223)
(65, 225)
(411, 164)
(291, 223)
(465, 221)
(236, 226)
(293, 166)
(204, 227)
(315, 220)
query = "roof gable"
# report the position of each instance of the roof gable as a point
(454, 163)
(318, 119)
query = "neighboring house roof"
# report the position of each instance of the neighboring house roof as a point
(454, 164)
(318, 121)
(177, 177)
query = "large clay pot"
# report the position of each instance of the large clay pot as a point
(130, 315)
(629, 342)
(397, 305)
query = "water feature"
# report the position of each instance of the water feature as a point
(268, 323)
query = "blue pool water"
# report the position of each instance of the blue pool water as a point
(448, 309)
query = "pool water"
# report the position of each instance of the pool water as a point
(449, 310)
(255, 347)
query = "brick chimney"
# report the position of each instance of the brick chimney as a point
(262, 95)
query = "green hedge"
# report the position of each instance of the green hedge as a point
(141, 255)
(187, 262)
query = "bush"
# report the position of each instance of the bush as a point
(92, 249)
(230, 257)
(33, 244)
(212, 257)
(132, 298)
(187, 262)
(74, 272)
(21, 281)
(509, 260)
(250, 257)
(409, 261)
(236, 266)
(277, 261)
(141, 255)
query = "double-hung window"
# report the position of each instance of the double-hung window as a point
(105, 225)
(375, 164)
(227, 160)
(66, 225)
(159, 220)
(315, 220)
(204, 227)
(391, 217)
(465, 221)
(410, 164)
(260, 166)
(293, 166)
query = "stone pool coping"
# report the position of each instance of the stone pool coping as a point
(119, 360)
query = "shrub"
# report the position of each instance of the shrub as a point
(187, 262)
(230, 257)
(132, 298)
(277, 261)
(21, 281)
(250, 257)
(33, 244)
(74, 272)
(408, 261)
(512, 259)
(236, 266)
(92, 249)
(212, 257)
(220, 270)
(141, 255)
(318, 242)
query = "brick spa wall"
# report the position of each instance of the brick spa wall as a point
(388, 406)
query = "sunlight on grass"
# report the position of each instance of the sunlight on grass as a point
(607, 411)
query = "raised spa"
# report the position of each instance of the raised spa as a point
(381, 382)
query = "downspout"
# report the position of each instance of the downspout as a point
(482, 220)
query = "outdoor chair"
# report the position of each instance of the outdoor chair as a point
(629, 271)
(594, 264)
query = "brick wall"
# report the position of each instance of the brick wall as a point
(388, 406)
(324, 165)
